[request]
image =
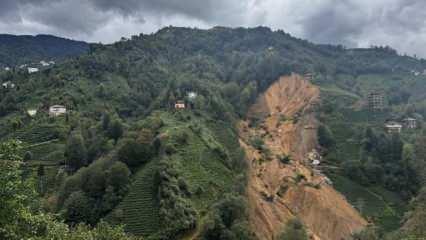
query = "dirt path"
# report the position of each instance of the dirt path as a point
(278, 192)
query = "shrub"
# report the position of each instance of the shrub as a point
(257, 142)
(300, 177)
(294, 230)
(285, 159)
(133, 153)
(28, 156)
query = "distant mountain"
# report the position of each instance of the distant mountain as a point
(15, 50)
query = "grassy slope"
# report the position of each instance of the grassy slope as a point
(196, 162)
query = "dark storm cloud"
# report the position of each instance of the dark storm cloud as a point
(350, 22)
(398, 23)
(335, 24)
(88, 15)
(208, 10)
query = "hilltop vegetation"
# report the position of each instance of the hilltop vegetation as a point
(124, 154)
(17, 50)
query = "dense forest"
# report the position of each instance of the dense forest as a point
(17, 50)
(123, 155)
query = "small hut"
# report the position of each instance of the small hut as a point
(57, 110)
(180, 105)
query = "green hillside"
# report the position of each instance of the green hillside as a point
(123, 153)
(25, 49)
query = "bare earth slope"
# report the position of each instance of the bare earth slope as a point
(278, 192)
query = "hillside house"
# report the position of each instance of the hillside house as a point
(7, 85)
(32, 112)
(180, 105)
(57, 110)
(376, 100)
(32, 70)
(393, 127)
(7, 69)
(44, 63)
(309, 76)
(410, 123)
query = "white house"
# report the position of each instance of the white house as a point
(57, 110)
(393, 127)
(7, 68)
(44, 63)
(32, 112)
(8, 84)
(32, 70)
(410, 123)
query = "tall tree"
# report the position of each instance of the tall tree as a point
(75, 152)
(115, 129)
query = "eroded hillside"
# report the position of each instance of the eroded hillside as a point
(279, 189)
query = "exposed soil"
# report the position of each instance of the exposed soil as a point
(277, 191)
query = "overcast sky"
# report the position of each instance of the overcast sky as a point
(400, 24)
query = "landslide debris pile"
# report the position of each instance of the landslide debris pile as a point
(277, 138)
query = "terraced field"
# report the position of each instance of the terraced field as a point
(196, 160)
(385, 207)
(49, 152)
(40, 133)
(140, 206)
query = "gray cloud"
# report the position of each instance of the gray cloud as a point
(339, 24)
(398, 23)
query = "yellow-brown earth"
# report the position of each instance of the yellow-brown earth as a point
(277, 192)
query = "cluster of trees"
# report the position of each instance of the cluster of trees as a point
(177, 215)
(21, 215)
(385, 160)
(228, 220)
(93, 191)
(82, 149)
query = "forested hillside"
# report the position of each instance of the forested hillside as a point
(149, 137)
(17, 50)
